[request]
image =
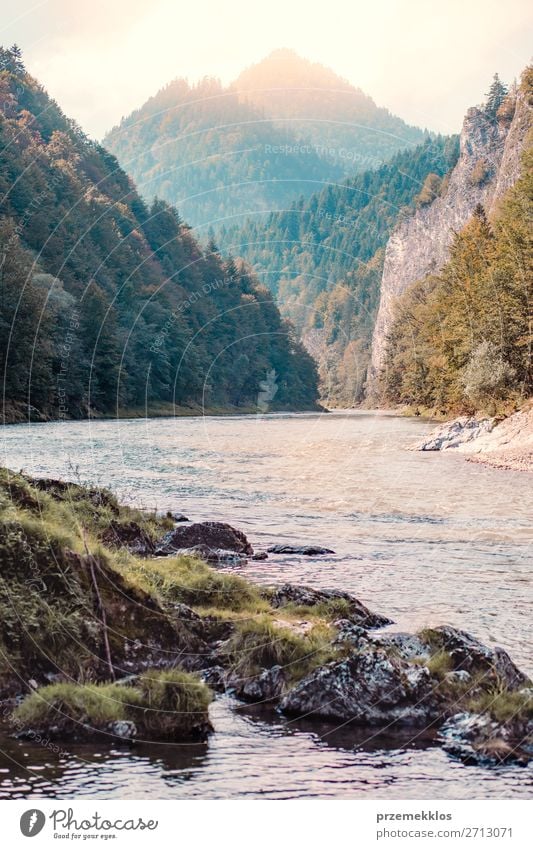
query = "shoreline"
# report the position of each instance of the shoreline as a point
(505, 444)
(164, 411)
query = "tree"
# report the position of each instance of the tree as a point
(11, 60)
(100, 337)
(430, 190)
(495, 97)
(486, 375)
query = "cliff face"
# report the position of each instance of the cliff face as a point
(489, 163)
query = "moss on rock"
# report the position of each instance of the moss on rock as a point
(162, 705)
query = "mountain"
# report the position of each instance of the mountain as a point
(107, 303)
(453, 330)
(218, 153)
(339, 120)
(323, 257)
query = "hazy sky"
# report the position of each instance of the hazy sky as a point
(426, 60)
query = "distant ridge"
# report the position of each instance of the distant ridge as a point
(283, 128)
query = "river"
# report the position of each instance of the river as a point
(425, 538)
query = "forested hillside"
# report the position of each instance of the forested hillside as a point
(461, 339)
(108, 303)
(323, 257)
(219, 152)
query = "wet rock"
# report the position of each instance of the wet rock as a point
(307, 550)
(212, 535)
(215, 677)
(479, 739)
(259, 555)
(123, 728)
(369, 688)
(266, 687)
(302, 596)
(213, 556)
(130, 536)
(178, 517)
(468, 653)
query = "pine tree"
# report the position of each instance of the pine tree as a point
(495, 97)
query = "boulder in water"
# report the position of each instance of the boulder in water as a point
(369, 688)
(212, 535)
(306, 550)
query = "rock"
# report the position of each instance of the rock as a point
(141, 633)
(259, 555)
(179, 517)
(369, 688)
(67, 491)
(213, 535)
(406, 646)
(509, 445)
(347, 632)
(214, 677)
(302, 596)
(479, 739)
(213, 556)
(130, 536)
(456, 433)
(307, 550)
(123, 728)
(420, 242)
(266, 687)
(458, 676)
(209, 629)
(468, 653)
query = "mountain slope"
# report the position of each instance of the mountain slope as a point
(454, 329)
(323, 257)
(218, 153)
(106, 303)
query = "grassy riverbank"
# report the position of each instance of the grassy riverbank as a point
(98, 636)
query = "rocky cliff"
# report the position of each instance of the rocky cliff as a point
(489, 163)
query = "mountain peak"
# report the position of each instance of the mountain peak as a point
(285, 68)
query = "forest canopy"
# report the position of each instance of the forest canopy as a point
(108, 303)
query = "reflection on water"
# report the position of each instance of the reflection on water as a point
(259, 757)
(424, 538)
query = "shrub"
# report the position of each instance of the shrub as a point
(480, 173)
(429, 191)
(486, 374)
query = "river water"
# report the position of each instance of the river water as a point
(425, 538)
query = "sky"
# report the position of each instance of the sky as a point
(426, 60)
